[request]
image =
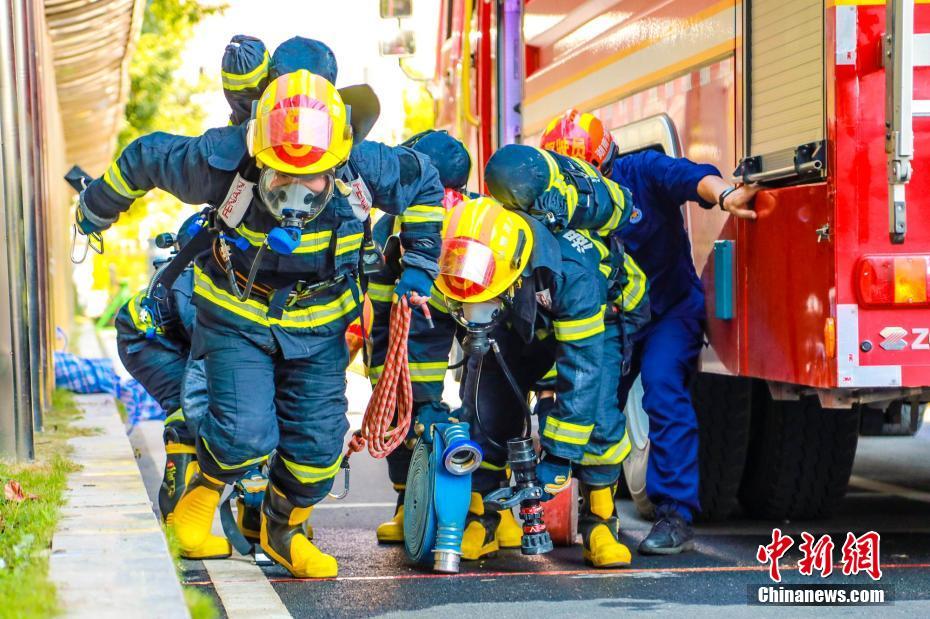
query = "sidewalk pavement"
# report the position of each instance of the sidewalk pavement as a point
(109, 555)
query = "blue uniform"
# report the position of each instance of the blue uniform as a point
(666, 351)
(275, 363)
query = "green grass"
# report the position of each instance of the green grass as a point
(200, 605)
(26, 527)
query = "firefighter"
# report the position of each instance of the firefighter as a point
(278, 288)
(153, 341)
(666, 352)
(428, 348)
(527, 299)
(563, 192)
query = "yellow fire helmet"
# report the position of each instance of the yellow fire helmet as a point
(485, 248)
(300, 126)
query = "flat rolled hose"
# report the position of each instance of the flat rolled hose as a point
(419, 515)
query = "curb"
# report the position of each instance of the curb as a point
(109, 555)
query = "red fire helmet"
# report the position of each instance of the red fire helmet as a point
(580, 135)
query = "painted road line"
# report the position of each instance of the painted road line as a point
(244, 590)
(570, 573)
(334, 505)
(894, 489)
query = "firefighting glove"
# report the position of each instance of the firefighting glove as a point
(86, 222)
(555, 475)
(413, 279)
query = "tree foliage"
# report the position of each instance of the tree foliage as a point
(158, 101)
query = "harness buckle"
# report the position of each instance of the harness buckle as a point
(344, 467)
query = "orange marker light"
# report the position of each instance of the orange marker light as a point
(894, 280)
(829, 337)
(910, 279)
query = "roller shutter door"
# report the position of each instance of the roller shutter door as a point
(786, 74)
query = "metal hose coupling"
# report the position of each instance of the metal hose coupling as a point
(461, 455)
(522, 459)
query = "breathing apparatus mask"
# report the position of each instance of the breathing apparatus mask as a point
(293, 201)
(479, 320)
(467, 270)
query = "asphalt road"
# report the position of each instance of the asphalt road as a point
(890, 494)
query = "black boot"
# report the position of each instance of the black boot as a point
(670, 534)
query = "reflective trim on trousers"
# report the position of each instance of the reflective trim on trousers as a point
(615, 454)
(567, 432)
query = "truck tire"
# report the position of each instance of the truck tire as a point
(800, 458)
(724, 406)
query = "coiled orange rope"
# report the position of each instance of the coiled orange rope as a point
(393, 393)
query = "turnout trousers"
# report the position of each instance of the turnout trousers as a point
(495, 413)
(262, 404)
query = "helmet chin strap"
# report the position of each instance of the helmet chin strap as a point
(608, 163)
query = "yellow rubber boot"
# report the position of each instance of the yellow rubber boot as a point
(479, 539)
(600, 528)
(392, 531)
(509, 532)
(193, 518)
(284, 540)
(180, 466)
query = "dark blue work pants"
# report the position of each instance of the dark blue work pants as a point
(666, 355)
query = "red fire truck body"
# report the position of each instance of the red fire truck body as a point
(826, 293)
(800, 320)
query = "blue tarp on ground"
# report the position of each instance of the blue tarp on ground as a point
(82, 375)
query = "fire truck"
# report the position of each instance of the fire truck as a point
(818, 312)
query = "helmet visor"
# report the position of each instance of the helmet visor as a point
(285, 195)
(466, 266)
(298, 129)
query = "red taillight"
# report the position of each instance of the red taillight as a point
(894, 280)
